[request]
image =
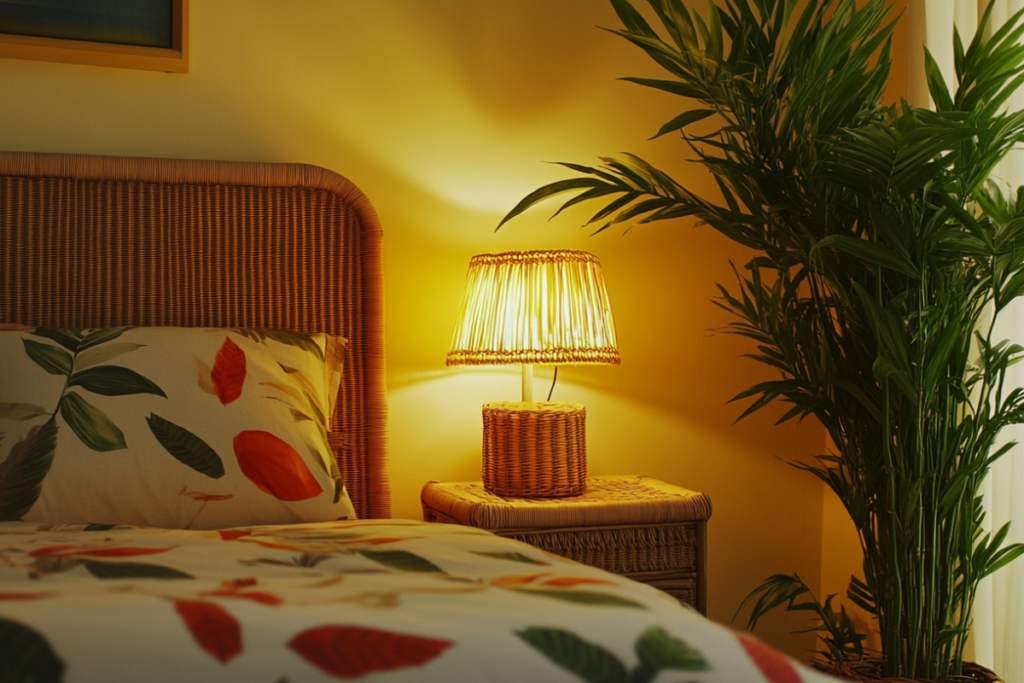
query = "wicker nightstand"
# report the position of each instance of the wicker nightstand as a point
(638, 527)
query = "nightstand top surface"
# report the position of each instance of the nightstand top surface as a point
(608, 500)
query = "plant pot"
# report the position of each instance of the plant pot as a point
(869, 670)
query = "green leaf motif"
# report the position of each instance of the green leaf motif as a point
(22, 473)
(297, 339)
(101, 336)
(69, 338)
(513, 557)
(19, 412)
(683, 120)
(580, 597)
(590, 662)
(55, 361)
(549, 190)
(400, 560)
(26, 656)
(254, 333)
(339, 484)
(318, 413)
(871, 252)
(658, 650)
(113, 380)
(91, 424)
(288, 337)
(133, 570)
(186, 447)
(329, 465)
(99, 527)
(99, 354)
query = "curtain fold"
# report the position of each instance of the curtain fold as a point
(998, 632)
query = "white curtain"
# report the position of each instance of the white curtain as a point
(998, 635)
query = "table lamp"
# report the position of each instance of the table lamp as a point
(534, 307)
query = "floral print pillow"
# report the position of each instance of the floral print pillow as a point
(169, 427)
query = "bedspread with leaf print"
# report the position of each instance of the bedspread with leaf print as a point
(378, 600)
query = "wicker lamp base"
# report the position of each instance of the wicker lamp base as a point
(534, 449)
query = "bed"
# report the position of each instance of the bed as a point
(193, 467)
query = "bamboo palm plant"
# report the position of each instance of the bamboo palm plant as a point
(883, 258)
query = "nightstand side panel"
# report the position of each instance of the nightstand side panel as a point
(637, 527)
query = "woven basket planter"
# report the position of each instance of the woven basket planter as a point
(868, 670)
(534, 449)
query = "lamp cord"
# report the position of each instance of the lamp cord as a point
(555, 379)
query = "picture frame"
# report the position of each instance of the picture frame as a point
(48, 48)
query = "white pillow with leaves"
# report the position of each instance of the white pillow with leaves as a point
(169, 427)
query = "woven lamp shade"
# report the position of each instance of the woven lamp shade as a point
(545, 307)
(534, 307)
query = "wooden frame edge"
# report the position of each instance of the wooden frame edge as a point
(173, 60)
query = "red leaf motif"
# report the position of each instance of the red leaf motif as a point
(275, 466)
(518, 580)
(570, 581)
(53, 550)
(775, 667)
(214, 629)
(351, 525)
(93, 551)
(205, 497)
(255, 596)
(233, 534)
(228, 372)
(353, 651)
(24, 596)
(236, 589)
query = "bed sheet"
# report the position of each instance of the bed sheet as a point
(377, 600)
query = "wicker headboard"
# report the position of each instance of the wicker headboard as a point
(92, 241)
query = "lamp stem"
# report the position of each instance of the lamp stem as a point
(527, 383)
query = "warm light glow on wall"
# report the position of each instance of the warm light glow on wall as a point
(434, 124)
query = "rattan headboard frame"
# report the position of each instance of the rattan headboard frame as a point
(96, 241)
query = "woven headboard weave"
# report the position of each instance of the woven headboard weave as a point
(93, 241)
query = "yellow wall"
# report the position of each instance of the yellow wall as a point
(442, 111)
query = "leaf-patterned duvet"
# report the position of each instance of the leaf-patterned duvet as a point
(386, 600)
